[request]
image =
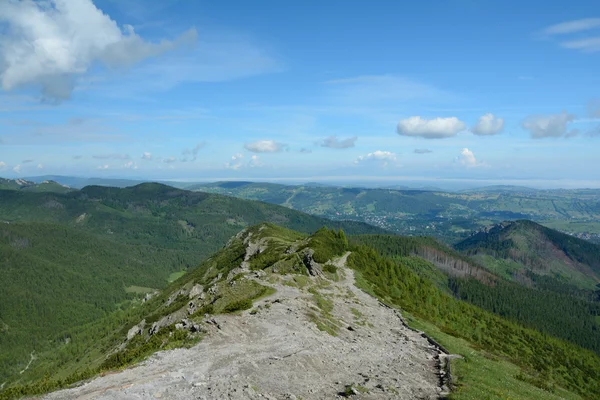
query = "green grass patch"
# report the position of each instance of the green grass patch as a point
(175, 275)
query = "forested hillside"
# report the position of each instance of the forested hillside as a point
(524, 246)
(70, 258)
(549, 306)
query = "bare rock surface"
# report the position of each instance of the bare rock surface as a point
(277, 352)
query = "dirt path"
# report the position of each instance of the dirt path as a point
(278, 353)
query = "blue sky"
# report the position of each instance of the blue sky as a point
(453, 90)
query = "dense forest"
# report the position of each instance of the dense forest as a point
(547, 304)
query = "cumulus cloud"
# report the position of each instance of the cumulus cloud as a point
(384, 156)
(334, 143)
(264, 146)
(40, 166)
(488, 125)
(146, 156)
(572, 26)
(112, 157)
(194, 151)
(436, 128)
(2, 165)
(236, 162)
(422, 151)
(553, 125)
(49, 43)
(467, 158)
(17, 168)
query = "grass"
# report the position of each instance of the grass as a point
(175, 275)
(480, 376)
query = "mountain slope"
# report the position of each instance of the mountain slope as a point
(524, 246)
(70, 258)
(255, 342)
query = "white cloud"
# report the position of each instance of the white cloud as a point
(554, 125)
(422, 151)
(437, 128)
(2, 165)
(588, 45)
(40, 166)
(385, 156)
(147, 156)
(105, 166)
(49, 43)
(17, 168)
(236, 162)
(334, 143)
(130, 165)
(264, 146)
(488, 125)
(572, 26)
(170, 160)
(467, 158)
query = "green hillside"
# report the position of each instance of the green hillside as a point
(71, 258)
(501, 359)
(514, 249)
(549, 306)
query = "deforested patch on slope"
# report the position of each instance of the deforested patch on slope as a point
(316, 336)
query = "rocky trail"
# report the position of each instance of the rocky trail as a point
(281, 350)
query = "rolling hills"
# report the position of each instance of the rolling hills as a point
(449, 216)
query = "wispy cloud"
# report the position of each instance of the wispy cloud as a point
(193, 152)
(587, 45)
(334, 143)
(578, 25)
(422, 151)
(374, 89)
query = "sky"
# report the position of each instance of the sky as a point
(388, 91)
